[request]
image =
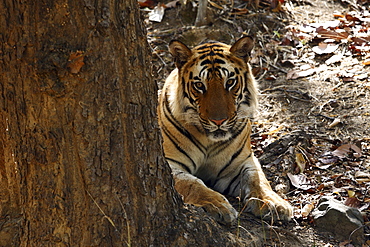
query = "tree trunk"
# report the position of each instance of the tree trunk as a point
(80, 155)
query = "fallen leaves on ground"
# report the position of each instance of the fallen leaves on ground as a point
(346, 37)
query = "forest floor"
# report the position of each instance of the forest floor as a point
(311, 61)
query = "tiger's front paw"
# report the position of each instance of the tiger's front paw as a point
(219, 208)
(270, 206)
(195, 192)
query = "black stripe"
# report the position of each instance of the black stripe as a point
(246, 94)
(174, 142)
(192, 63)
(179, 163)
(241, 173)
(189, 108)
(219, 61)
(185, 133)
(240, 89)
(219, 147)
(245, 102)
(205, 62)
(227, 190)
(236, 186)
(211, 53)
(179, 127)
(203, 56)
(245, 90)
(201, 71)
(209, 46)
(226, 72)
(236, 154)
(184, 91)
(183, 85)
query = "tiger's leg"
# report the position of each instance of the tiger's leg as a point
(258, 195)
(195, 192)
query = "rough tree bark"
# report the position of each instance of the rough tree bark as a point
(80, 154)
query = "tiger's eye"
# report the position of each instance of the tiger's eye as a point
(230, 84)
(199, 86)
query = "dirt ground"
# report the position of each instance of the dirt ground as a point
(317, 104)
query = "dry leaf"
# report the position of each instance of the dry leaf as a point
(351, 193)
(306, 210)
(325, 185)
(238, 11)
(351, 18)
(338, 34)
(147, 3)
(366, 62)
(75, 62)
(334, 123)
(352, 202)
(327, 24)
(172, 4)
(276, 5)
(215, 5)
(294, 74)
(324, 48)
(328, 159)
(345, 243)
(301, 162)
(157, 13)
(344, 150)
(274, 130)
(334, 59)
(362, 177)
(358, 151)
(300, 181)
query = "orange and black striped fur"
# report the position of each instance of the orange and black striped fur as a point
(204, 113)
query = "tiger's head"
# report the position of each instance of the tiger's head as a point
(216, 86)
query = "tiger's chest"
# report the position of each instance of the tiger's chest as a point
(211, 157)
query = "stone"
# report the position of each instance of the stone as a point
(346, 223)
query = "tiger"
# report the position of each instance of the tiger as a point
(204, 113)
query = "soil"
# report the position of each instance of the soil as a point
(317, 113)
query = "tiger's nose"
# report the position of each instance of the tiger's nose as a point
(218, 122)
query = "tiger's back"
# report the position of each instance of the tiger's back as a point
(204, 112)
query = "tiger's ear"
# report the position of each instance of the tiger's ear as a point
(243, 47)
(180, 52)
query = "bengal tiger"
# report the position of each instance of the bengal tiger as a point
(204, 114)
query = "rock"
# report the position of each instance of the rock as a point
(346, 223)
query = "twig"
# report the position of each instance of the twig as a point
(327, 117)
(274, 66)
(164, 63)
(101, 210)
(358, 228)
(226, 20)
(127, 222)
(201, 18)
(286, 91)
(107, 217)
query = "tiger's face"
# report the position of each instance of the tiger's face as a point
(216, 85)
